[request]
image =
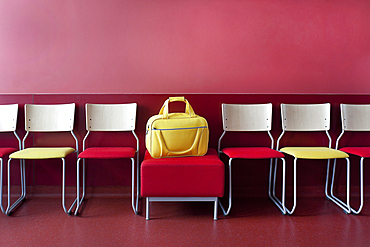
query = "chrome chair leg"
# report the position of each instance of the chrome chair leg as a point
(272, 186)
(345, 206)
(83, 180)
(230, 193)
(134, 207)
(22, 166)
(23, 187)
(64, 188)
(137, 183)
(361, 187)
(78, 200)
(1, 185)
(294, 188)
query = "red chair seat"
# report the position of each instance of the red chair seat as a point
(252, 153)
(108, 153)
(6, 151)
(360, 151)
(194, 176)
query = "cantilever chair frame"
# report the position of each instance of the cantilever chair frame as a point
(9, 125)
(261, 115)
(305, 123)
(355, 117)
(44, 124)
(110, 125)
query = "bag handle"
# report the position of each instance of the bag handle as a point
(188, 109)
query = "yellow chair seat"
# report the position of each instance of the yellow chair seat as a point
(42, 153)
(314, 153)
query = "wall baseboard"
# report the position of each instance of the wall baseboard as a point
(238, 192)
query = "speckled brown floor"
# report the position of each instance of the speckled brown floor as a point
(110, 221)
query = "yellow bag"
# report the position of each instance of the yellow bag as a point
(176, 134)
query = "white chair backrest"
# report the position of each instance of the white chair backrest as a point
(305, 117)
(111, 117)
(8, 117)
(355, 117)
(49, 118)
(246, 117)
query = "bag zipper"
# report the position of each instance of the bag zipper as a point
(200, 127)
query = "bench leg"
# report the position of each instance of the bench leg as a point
(182, 199)
(147, 208)
(215, 209)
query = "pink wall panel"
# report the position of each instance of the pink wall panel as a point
(196, 46)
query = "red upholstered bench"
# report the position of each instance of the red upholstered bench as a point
(198, 178)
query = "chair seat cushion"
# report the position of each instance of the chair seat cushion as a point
(42, 153)
(6, 151)
(108, 153)
(252, 152)
(314, 153)
(193, 176)
(360, 151)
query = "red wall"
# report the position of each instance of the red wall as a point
(194, 46)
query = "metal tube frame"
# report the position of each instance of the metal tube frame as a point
(272, 187)
(345, 206)
(134, 207)
(23, 185)
(294, 188)
(1, 174)
(182, 199)
(271, 191)
(361, 187)
(1, 185)
(230, 193)
(79, 201)
(23, 180)
(219, 144)
(333, 175)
